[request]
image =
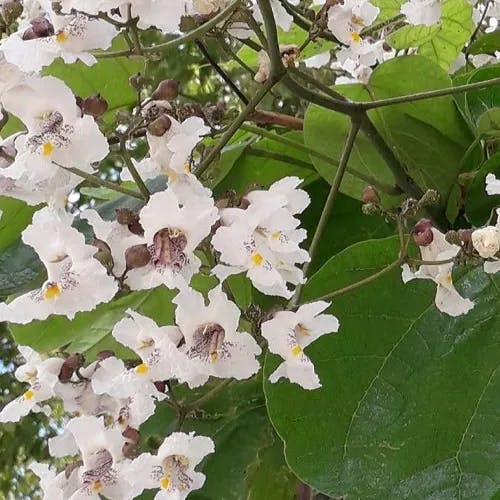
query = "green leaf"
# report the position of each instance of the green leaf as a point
(388, 9)
(479, 206)
(489, 123)
(20, 269)
(109, 77)
(488, 43)
(429, 137)
(250, 170)
(478, 102)
(442, 42)
(326, 131)
(16, 215)
(99, 193)
(410, 36)
(408, 407)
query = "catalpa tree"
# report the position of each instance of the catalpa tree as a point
(249, 249)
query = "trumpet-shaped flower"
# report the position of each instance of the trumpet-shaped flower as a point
(42, 377)
(422, 12)
(76, 281)
(447, 300)
(288, 333)
(172, 469)
(212, 344)
(172, 230)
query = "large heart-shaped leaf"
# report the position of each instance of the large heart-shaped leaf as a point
(408, 407)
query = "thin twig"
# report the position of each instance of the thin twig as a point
(133, 171)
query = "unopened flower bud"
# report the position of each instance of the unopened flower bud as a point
(70, 365)
(41, 27)
(431, 197)
(160, 126)
(465, 235)
(137, 81)
(486, 241)
(94, 105)
(422, 233)
(102, 355)
(125, 216)
(370, 195)
(370, 209)
(137, 256)
(167, 90)
(453, 237)
(11, 10)
(103, 254)
(130, 450)
(161, 385)
(131, 435)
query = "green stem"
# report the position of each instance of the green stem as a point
(330, 201)
(198, 32)
(393, 190)
(209, 395)
(383, 24)
(133, 171)
(96, 181)
(362, 282)
(429, 94)
(234, 127)
(468, 152)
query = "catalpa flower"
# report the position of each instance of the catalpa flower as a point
(486, 242)
(57, 133)
(283, 19)
(436, 248)
(42, 377)
(288, 333)
(172, 469)
(70, 37)
(263, 241)
(76, 281)
(103, 471)
(156, 346)
(212, 344)
(55, 486)
(422, 12)
(346, 20)
(172, 231)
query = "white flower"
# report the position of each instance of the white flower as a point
(76, 281)
(72, 38)
(41, 375)
(213, 345)
(156, 346)
(288, 333)
(173, 468)
(57, 133)
(492, 184)
(283, 19)
(10, 76)
(447, 300)
(263, 240)
(55, 486)
(346, 20)
(422, 12)
(486, 241)
(207, 7)
(102, 472)
(172, 231)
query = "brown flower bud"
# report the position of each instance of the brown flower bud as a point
(103, 254)
(42, 27)
(11, 10)
(370, 195)
(137, 256)
(137, 81)
(132, 435)
(161, 385)
(130, 450)
(70, 365)
(167, 90)
(160, 126)
(465, 235)
(422, 232)
(102, 355)
(94, 105)
(125, 216)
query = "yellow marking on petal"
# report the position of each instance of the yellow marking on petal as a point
(29, 394)
(187, 168)
(62, 36)
(47, 149)
(257, 259)
(165, 483)
(297, 350)
(276, 235)
(142, 369)
(214, 356)
(355, 36)
(96, 486)
(51, 291)
(448, 279)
